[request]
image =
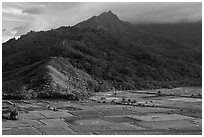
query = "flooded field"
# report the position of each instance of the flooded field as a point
(123, 112)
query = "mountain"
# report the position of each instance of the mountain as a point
(109, 22)
(102, 53)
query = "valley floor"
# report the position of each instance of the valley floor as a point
(105, 113)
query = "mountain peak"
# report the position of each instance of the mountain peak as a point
(108, 14)
(106, 21)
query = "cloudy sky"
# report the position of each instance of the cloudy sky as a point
(20, 18)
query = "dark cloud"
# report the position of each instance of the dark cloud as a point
(33, 10)
(4, 29)
(62, 5)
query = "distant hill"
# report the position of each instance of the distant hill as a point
(102, 53)
(189, 34)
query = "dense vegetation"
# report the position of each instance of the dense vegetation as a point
(135, 61)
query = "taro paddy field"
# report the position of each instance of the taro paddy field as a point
(142, 112)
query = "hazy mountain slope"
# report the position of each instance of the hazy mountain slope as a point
(103, 55)
(189, 34)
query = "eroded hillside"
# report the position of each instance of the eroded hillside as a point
(53, 78)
